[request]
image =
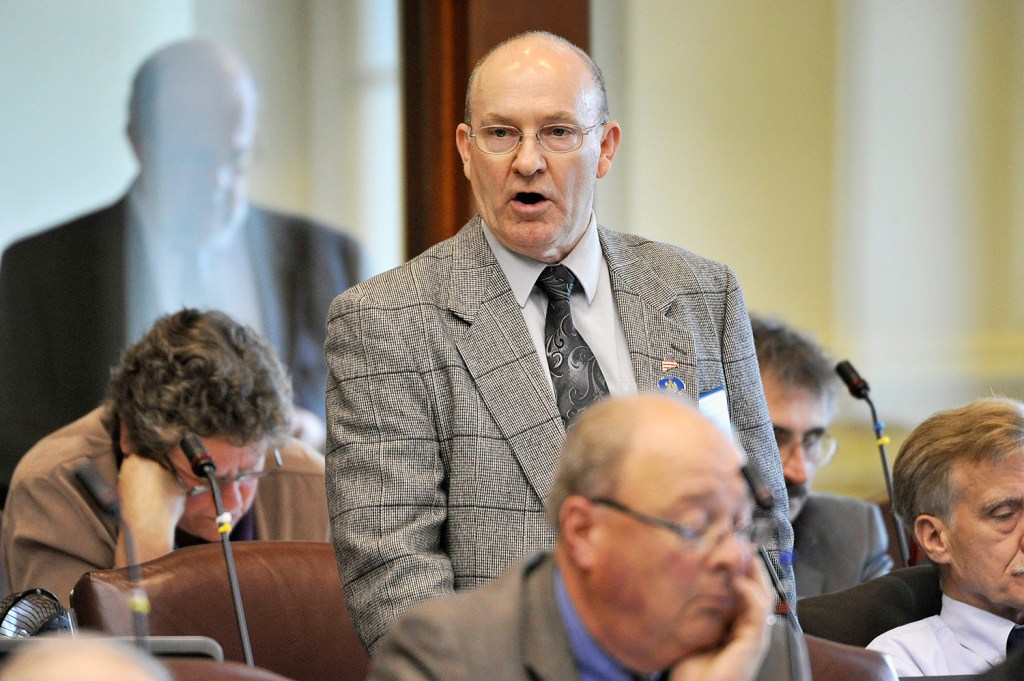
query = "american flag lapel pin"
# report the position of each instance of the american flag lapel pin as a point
(669, 363)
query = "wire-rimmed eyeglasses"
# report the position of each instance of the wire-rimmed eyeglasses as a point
(558, 138)
(703, 538)
(257, 471)
(819, 447)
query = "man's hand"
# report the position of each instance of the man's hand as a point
(746, 643)
(151, 504)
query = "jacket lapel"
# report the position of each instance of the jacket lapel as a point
(654, 337)
(500, 356)
(547, 653)
(272, 285)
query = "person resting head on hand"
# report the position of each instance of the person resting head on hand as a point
(193, 373)
(652, 576)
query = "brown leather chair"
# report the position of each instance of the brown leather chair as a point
(187, 669)
(831, 660)
(297, 620)
(857, 615)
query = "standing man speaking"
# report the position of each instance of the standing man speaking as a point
(453, 378)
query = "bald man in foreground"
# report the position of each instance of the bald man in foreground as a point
(652, 571)
(454, 377)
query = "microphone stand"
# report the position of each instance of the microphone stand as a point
(799, 664)
(859, 389)
(203, 465)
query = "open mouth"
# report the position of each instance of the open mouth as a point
(529, 198)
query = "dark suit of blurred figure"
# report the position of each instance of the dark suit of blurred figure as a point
(838, 541)
(184, 234)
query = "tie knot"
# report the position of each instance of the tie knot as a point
(1015, 639)
(557, 282)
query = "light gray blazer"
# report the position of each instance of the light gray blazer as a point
(509, 630)
(443, 432)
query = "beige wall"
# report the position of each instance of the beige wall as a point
(858, 163)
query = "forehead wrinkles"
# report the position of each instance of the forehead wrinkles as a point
(532, 78)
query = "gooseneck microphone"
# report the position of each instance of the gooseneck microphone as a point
(204, 466)
(105, 497)
(858, 387)
(797, 663)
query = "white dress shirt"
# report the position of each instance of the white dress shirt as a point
(594, 312)
(166, 272)
(961, 639)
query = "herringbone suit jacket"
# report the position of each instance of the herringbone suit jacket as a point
(443, 432)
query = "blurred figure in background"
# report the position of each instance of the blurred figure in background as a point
(184, 234)
(195, 373)
(838, 541)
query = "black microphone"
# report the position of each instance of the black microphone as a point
(858, 387)
(104, 496)
(203, 466)
(855, 383)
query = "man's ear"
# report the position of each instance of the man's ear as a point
(609, 145)
(462, 142)
(132, 133)
(578, 531)
(931, 534)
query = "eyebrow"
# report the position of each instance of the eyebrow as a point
(1015, 502)
(555, 117)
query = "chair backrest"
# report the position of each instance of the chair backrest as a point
(187, 669)
(855, 616)
(892, 529)
(297, 620)
(831, 660)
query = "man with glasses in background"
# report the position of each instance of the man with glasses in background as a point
(653, 569)
(838, 541)
(453, 378)
(198, 373)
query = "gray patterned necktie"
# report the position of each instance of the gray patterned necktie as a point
(575, 373)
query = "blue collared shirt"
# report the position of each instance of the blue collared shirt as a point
(593, 661)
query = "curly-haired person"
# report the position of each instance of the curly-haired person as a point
(195, 373)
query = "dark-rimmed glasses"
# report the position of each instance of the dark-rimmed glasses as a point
(703, 539)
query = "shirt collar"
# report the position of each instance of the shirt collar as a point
(584, 261)
(977, 630)
(593, 662)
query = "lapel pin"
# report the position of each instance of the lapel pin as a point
(671, 384)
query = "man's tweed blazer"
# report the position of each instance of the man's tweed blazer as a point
(838, 542)
(443, 432)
